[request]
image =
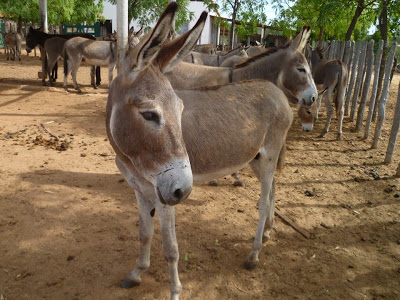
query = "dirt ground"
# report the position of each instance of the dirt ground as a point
(69, 222)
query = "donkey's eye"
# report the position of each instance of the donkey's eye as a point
(151, 116)
(301, 70)
(308, 112)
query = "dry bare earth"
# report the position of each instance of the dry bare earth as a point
(69, 223)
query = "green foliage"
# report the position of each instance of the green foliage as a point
(58, 11)
(333, 17)
(250, 13)
(146, 12)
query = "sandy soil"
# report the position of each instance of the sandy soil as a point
(69, 222)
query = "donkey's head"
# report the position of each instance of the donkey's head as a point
(296, 79)
(144, 113)
(31, 39)
(307, 115)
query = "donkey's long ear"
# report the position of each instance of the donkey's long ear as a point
(174, 51)
(152, 43)
(139, 33)
(301, 39)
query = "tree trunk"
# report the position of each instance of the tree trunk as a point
(19, 26)
(235, 9)
(353, 23)
(321, 34)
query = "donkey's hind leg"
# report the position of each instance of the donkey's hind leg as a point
(329, 111)
(92, 77)
(146, 230)
(264, 166)
(238, 181)
(75, 66)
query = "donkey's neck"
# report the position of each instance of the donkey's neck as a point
(264, 67)
(41, 37)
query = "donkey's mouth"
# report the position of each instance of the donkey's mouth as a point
(161, 197)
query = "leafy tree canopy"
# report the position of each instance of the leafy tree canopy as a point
(58, 11)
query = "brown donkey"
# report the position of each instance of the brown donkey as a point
(330, 76)
(286, 67)
(163, 139)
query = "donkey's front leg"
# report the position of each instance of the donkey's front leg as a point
(146, 230)
(111, 68)
(166, 215)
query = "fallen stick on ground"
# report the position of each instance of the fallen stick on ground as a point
(48, 131)
(291, 223)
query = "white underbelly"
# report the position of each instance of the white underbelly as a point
(97, 62)
(217, 174)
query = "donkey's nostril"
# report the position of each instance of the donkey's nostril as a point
(312, 99)
(178, 194)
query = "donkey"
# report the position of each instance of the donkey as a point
(12, 41)
(210, 59)
(36, 37)
(162, 138)
(235, 59)
(331, 77)
(286, 67)
(99, 53)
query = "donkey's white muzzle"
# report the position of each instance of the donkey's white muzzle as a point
(175, 183)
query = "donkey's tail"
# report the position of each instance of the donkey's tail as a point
(281, 158)
(341, 88)
(65, 62)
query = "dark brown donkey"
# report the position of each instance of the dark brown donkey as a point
(36, 37)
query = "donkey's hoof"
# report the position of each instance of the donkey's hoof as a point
(213, 183)
(129, 283)
(250, 265)
(95, 87)
(339, 137)
(238, 183)
(79, 91)
(322, 135)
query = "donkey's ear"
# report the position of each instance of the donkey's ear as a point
(139, 33)
(174, 51)
(301, 39)
(150, 45)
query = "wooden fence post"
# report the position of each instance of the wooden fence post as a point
(343, 45)
(353, 76)
(367, 81)
(122, 31)
(394, 131)
(360, 75)
(383, 99)
(374, 89)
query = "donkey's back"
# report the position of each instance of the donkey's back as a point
(99, 53)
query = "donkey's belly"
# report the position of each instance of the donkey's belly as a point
(97, 62)
(217, 173)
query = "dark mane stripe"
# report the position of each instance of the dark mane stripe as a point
(320, 51)
(267, 52)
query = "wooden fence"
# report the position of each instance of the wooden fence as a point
(362, 65)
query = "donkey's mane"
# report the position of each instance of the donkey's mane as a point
(230, 51)
(217, 87)
(320, 51)
(267, 52)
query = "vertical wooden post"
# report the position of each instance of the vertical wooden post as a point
(374, 89)
(367, 81)
(353, 76)
(394, 131)
(343, 46)
(122, 31)
(43, 15)
(383, 99)
(360, 75)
